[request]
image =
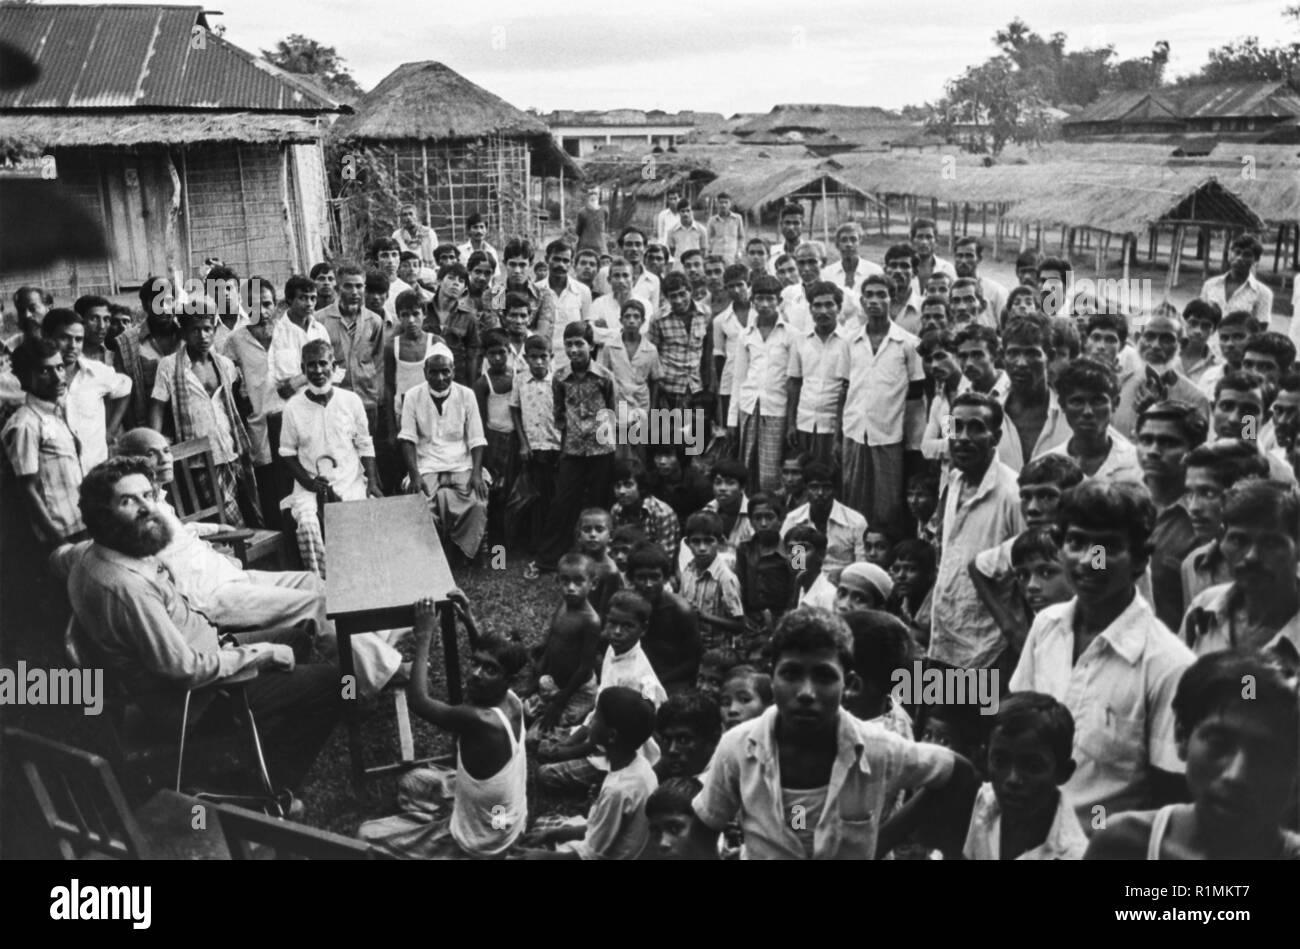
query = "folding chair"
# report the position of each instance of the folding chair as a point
(250, 545)
(83, 813)
(139, 748)
(245, 829)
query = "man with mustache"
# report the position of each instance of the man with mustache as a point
(1260, 608)
(140, 627)
(1158, 376)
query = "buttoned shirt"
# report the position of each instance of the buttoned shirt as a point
(655, 518)
(608, 311)
(253, 359)
(741, 531)
(681, 344)
(796, 308)
(1121, 463)
(821, 364)
(1120, 692)
(852, 287)
(632, 374)
(358, 348)
(1203, 568)
(338, 429)
(964, 633)
(1252, 296)
(39, 443)
(572, 303)
(726, 332)
(645, 287)
(467, 248)
(846, 532)
(541, 307)
(1065, 838)
(713, 590)
(583, 406)
(1055, 432)
(535, 400)
(1195, 371)
(143, 628)
(92, 383)
(223, 332)
(682, 238)
(726, 236)
(1172, 539)
(443, 438)
(1210, 625)
(207, 410)
(871, 767)
(762, 367)
(878, 384)
(284, 358)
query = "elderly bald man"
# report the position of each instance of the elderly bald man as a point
(442, 443)
(234, 598)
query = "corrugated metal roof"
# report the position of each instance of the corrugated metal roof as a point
(68, 130)
(134, 56)
(1223, 100)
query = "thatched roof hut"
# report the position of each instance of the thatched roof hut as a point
(429, 136)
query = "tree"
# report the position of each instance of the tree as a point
(1146, 72)
(1247, 60)
(1003, 104)
(305, 57)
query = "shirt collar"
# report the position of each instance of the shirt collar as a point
(1126, 634)
(752, 325)
(761, 745)
(42, 406)
(894, 332)
(147, 567)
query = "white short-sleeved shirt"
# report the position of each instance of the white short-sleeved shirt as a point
(878, 383)
(1121, 464)
(214, 422)
(443, 440)
(1065, 838)
(872, 765)
(93, 383)
(846, 532)
(761, 371)
(1120, 692)
(726, 331)
(284, 358)
(820, 363)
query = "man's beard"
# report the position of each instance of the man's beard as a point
(142, 537)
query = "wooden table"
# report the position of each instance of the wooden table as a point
(383, 555)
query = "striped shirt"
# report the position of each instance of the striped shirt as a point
(38, 441)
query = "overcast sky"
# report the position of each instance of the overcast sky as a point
(729, 55)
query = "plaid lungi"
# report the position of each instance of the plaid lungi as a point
(461, 515)
(762, 443)
(422, 831)
(820, 445)
(873, 482)
(307, 532)
(228, 488)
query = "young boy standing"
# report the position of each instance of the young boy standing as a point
(709, 585)
(806, 779)
(583, 394)
(816, 380)
(532, 407)
(756, 416)
(633, 362)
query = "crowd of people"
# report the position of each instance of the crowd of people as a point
(875, 468)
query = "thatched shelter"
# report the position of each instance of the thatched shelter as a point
(428, 136)
(176, 143)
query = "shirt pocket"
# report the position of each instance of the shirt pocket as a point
(1114, 740)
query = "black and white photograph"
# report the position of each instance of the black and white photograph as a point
(651, 432)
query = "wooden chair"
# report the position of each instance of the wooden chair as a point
(82, 812)
(249, 544)
(245, 829)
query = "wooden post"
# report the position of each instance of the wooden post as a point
(997, 231)
(243, 206)
(1124, 253)
(1039, 237)
(1100, 262)
(1024, 236)
(424, 168)
(826, 215)
(1175, 255)
(1207, 234)
(984, 219)
(952, 230)
(965, 218)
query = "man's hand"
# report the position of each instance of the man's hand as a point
(373, 490)
(792, 438)
(459, 600)
(477, 486)
(547, 720)
(525, 454)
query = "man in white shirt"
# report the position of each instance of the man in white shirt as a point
(966, 259)
(414, 236)
(816, 378)
(689, 234)
(387, 256)
(632, 243)
(1238, 288)
(757, 411)
(96, 396)
(1106, 656)
(809, 260)
(726, 232)
(476, 229)
(442, 443)
(572, 300)
(922, 236)
(667, 219)
(850, 270)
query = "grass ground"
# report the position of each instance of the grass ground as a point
(504, 603)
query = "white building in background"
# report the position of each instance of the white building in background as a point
(581, 133)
